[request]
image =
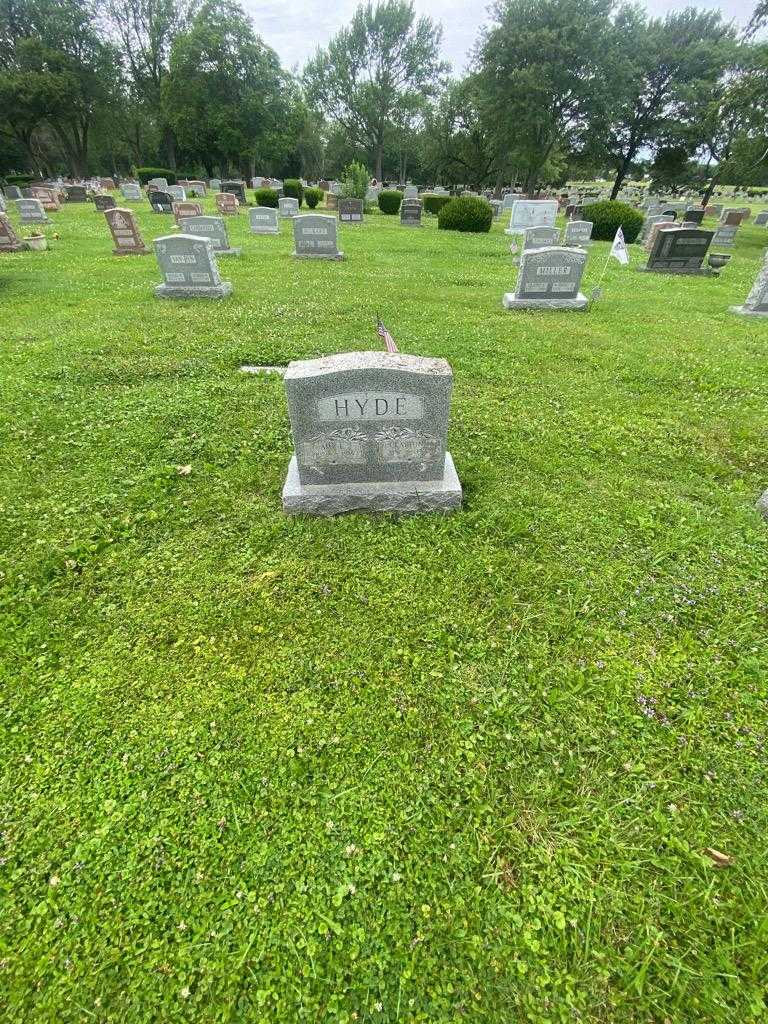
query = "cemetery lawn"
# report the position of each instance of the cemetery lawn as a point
(263, 769)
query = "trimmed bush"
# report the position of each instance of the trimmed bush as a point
(313, 196)
(145, 174)
(266, 197)
(293, 188)
(434, 204)
(389, 201)
(467, 213)
(21, 180)
(608, 216)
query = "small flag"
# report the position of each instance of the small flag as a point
(387, 338)
(619, 249)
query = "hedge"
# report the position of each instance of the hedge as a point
(467, 213)
(434, 204)
(313, 196)
(389, 201)
(267, 197)
(608, 216)
(145, 174)
(293, 188)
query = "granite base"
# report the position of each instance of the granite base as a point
(318, 256)
(510, 301)
(413, 496)
(743, 311)
(216, 291)
(132, 252)
(701, 272)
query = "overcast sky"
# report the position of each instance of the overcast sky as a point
(295, 30)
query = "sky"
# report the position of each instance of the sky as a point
(295, 30)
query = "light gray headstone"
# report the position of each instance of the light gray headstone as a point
(578, 232)
(131, 192)
(288, 206)
(125, 232)
(756, 303)
(189, 269)
(13, 192)
(31, 211)
(177, 193)
(369, 432)
(160, 182)
(762, 218)
(531, 213)
(209, 227)
(315, 237)
(411, 192)
(725, 236)
(197, 186)
(537, 238)
(263, 220)
(215, 184)
(549, 279)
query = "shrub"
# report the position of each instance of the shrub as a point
(608, 216)
(266, 197)
(354, 181)
(313, 196)
(145, 174)
(467, 213)
(434, 204)
(293, 188)
(21, 180)
(389, 201)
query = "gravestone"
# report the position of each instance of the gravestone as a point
(725, 236)
(210, 227)
(531, 213)
(496, 207)
(410, 213)
(158, 182)
(694, 215)
(9, 240)
(236, 188)
(131, 191)
(538, 238)
(369, 433)
(263, 220)
(288, 207)
(125, 233)
(177, 193)
(31, 211)
(714, 210)
(104, 203)
(197, 186)
(215, 184)
(13, 192)
(351, 211)
(756, 303)
(108, 184)
(549, 279)
(731, 217)
(510, 199)
(47, 196)
(657, 226)
(3, 206)
(315, 237)
(227, 204)
(578, 232)
(680, 251)
(162, 202)
(75, 194)
(669, 213)
(411, 192)
(189, 269)
(331, 201)
(187, 209)
(761, 219)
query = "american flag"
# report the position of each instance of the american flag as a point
(383, 333)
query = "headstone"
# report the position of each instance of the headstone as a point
(197, 186)
(227, 204)
(656, 227)
(578, 232)
(75, 194)
(210, 227)
(9, 240)
(714, 210)
(315, 237)
(725, 236)
(756, 303)
(131, 191)
(108, 184)
(31, 211)
(236, 188)
(125, 233)
(3, 206)
(189, 269)
(162, 202)
(263, 220)
(351, 211)
(693, 215)
(761, 219)
(410, 213)
(47, 196)
(730, 216)
(13, 192)
(680, 251)
(177, 193)
(411, 192)
(549, 279)
(369, 432)
(187, 209)
(496, 207)
(288, 207)
(539, 237)
(331, 201)
(531, 213)
(215, 184)
(104, 203)
(158, 182)
(510, 199)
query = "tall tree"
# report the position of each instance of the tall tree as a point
(381, 69)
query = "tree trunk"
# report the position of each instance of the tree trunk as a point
(622, 172)
(379, 159)
(169, 141)
(709, 189)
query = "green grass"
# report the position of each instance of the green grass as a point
(372, 769)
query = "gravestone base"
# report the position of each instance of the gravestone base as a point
(16, 247)
(132, 252)
(216, 291)
(743, 311)
(510, 301)
(318, 255)
(265, 231)
(701, 272)
(413, 496)
(228, 252)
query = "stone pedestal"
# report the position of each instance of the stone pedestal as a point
(510, 301)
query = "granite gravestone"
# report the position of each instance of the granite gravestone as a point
(411, 192)
(263, 220)
(315, 238)
(761, 219)
(215, 184)
(213, 228)
(655, 228)
(531, 213)
(9, 240)
(47, 196)
(731, 217)
(187, 209)
(158, 182)
(496, 207)
(131, 192)
(714, 210)
(288, 207)
(236, 188)
(125, 233)
(13, 192)
(369, 432)
(189, 269)
(549, 279)
(680, 251)
(103, 203)
(227, 204)
(331, 201)
(31, 211)
(756, 303)
(3, 206)
(177, 193)
(351, 211)
(197, 186)
(578, 232)
(75, 194)
(410, 213)
(693, 215)
(162, 202)
(510, 199)
(725, 236)
(538, 238)
(108, 184)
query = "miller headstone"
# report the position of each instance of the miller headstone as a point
(189, 269)
(549, 279)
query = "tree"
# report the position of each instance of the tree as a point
(544, 72)
(458, 143)
(385, 64)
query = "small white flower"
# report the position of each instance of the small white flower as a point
(185, 992)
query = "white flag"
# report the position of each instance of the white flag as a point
(619, 249)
